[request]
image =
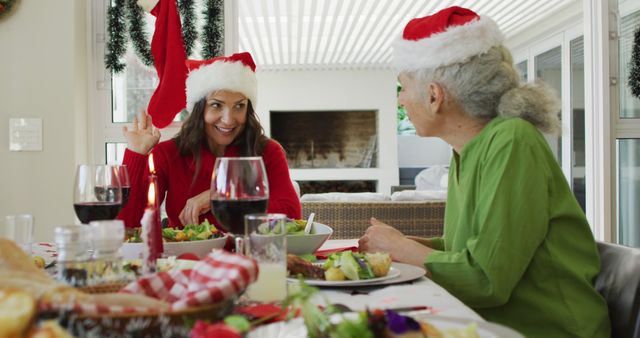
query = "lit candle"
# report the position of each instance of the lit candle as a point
(151, 226)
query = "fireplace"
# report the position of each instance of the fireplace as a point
(327, 139)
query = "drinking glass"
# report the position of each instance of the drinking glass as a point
(125, 184)
(266, 242)
(19, 228)
(239, 187)
(97, 193)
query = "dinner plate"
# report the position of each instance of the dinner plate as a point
(296, 327)
(398, 273)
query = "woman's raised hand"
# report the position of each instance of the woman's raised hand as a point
(143, 136)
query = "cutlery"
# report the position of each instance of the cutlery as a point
(307, 228)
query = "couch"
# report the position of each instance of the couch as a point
(349, 219)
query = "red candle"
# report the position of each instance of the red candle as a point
(151, 226)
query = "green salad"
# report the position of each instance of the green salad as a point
(190, 232)
(292, 227)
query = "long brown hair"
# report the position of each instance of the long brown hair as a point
(250, 142)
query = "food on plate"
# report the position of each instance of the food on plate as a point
(380, 263)
(292, 226)
(48, 329)
(133, 267)
(17, 309)
(340, 266)
(39, 261)
(298, 266)
(190, 232)
(320, 323)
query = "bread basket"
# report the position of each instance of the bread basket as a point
(140, 324)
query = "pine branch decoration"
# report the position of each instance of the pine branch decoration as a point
(212, 45)
(138, 34)
(189, 33)
(116, 46)
(634, 65)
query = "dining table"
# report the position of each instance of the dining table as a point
(419, 294)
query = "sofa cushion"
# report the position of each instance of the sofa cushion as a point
(419, 195)
(346, 196)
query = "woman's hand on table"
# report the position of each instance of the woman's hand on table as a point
(142, 136)
(194, 207)
(380, 237)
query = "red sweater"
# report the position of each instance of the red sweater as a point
(175, 176)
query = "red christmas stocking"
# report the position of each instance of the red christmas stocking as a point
(169, 57)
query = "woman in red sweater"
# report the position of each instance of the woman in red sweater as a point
(221, 93)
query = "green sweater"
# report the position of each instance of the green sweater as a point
(517, 247)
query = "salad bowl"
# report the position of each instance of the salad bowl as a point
(301, 244)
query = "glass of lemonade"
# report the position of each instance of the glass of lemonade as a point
(269, 249)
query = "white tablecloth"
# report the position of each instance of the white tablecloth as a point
(422, 292)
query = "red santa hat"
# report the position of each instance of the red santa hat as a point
(184, 82)
(452, 35)
(235, 73)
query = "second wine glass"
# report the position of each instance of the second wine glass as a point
(97, 193)
(239, 186)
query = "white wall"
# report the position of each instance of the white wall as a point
(416, 151)
(43, 75)
(337, 90)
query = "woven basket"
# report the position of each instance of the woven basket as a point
(141, 324)
(350, 219)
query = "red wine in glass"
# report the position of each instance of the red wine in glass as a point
(239, 187)
(97, 193)
(123, 175)
(232, 212)
(96, 211)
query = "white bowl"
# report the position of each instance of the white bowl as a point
(200, 248)
(308, 244)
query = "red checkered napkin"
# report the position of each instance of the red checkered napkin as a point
(219, 276)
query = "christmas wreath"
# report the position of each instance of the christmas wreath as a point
(126, 16)
(5, 6)
(634, 65)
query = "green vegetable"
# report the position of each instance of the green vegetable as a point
(238, 322)
(292, 227)
(309, 258)
(349, 266)
(169, 233)
(356, 328)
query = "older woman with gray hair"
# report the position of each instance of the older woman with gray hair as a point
(516, 247)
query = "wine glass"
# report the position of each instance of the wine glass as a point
(125, 184)
(239, 187)
(97, 193)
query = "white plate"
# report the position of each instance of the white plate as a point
(199, 248)
(398, 273)
(296, 328)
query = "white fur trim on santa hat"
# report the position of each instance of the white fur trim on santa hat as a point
(148, 5)
(232, 76)
(456, 44)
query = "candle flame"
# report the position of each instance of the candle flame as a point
(152, 168)
(151, 195)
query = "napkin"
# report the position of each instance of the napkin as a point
(324, 254)
(219, 276)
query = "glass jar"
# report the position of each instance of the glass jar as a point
(73, 260)
(106, 240)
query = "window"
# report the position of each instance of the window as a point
(522, 68)
(628, 140)
(558, 60)
(548, 68)
(576, 50)
(119, 98)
